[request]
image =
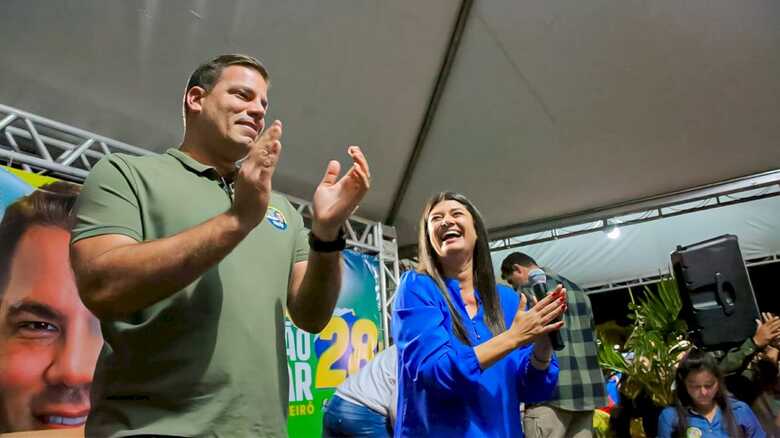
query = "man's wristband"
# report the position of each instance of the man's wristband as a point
(318, 245)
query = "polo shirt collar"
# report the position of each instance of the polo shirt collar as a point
(715, 419)
(189, 162)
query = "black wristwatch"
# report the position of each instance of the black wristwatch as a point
(318, 245)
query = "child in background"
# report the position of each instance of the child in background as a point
(703, 408)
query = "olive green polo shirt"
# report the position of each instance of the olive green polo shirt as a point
(210, 359)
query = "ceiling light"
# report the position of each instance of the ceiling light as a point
(611, 228)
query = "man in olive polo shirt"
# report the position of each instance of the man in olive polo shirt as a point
(190, 263)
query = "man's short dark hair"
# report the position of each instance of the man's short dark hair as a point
(516, 258)
(50, 206)
(206, 75)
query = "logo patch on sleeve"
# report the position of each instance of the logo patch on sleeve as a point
(276, 218)
(694, 432)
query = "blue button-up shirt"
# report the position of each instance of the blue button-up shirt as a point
(699, 426)
(442, 391)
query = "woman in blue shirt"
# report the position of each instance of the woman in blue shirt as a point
(703, 408)
(461, 372)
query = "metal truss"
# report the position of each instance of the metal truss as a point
(746, 189)
(43, 146)
(665, 274)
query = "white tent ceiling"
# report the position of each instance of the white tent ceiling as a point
(643, 250)
(548, 107)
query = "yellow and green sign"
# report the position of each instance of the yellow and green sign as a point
(317, 364)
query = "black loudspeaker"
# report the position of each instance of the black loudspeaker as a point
(718, 301)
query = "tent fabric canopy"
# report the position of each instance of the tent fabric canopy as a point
(544, 107)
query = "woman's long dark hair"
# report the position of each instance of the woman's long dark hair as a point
(696, 361)
(484, 279)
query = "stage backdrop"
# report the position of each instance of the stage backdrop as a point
(12, 187)
(15, 183)
(316, 363)
(319, 363)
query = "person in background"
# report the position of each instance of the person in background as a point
(49, 341)
(764, 369)
(364, 405)
(703, 407)
(765, 403)
(581, 388)
(469, 352)
(736, 363)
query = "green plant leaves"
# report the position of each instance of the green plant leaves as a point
(657, 341)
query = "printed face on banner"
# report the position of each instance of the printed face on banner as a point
(49, 342)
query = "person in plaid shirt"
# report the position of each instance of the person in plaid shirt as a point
(581, 387)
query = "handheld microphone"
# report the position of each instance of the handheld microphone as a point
(538, 280)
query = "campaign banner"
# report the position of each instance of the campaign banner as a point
(39, 307)
(12, 186)
(317, 364)
(15, 183)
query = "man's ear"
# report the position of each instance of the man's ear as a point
(518, 268)
(193, 99)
